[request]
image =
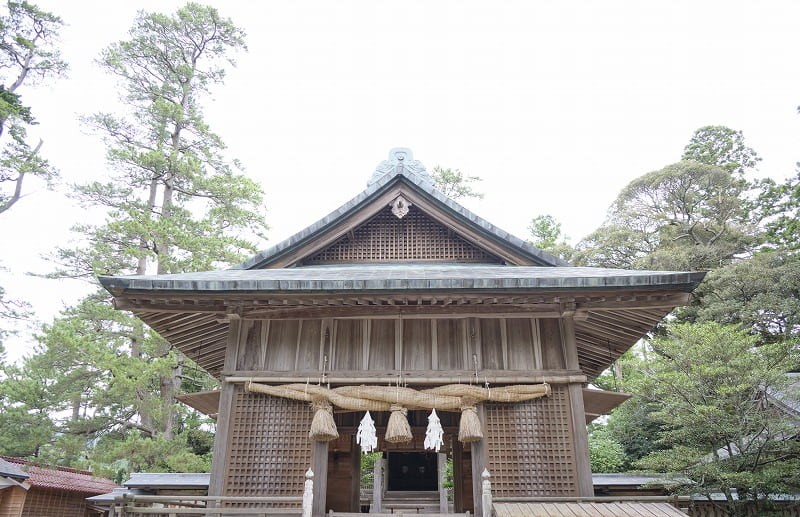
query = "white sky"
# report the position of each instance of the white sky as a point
(556, 105)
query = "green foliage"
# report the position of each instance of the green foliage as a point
(27, 398)
(368, 468)
(722, 429)
(631, 424)
(760, 295)
(174, 203)
(547, 236)
(780, 204)
(723, 147)
(686, 216)
(454, 184)
(28, 53)
(605, 453)
(117, 458)
(11, 312)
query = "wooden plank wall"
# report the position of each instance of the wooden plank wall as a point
(515, 344)
(42, 502)
(12, 500)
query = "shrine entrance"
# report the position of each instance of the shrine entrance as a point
(412, 471)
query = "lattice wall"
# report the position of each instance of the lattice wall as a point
(52, 503)
(386, 238)
(530, 447)
(269, 449)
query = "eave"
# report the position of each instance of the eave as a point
(612, 309)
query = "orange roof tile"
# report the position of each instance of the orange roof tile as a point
(64, 478)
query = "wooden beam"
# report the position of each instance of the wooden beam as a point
(412, 378)
(405, 311)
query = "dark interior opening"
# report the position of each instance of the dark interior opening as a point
(412, 471)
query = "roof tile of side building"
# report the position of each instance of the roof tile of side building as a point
(404, 277)
(11, 470)
(425, 187)
(64, 478)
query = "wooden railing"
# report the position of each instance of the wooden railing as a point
(204, 506)
(130, 505)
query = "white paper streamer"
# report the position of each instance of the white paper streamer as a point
(366, 435)
(434, 433)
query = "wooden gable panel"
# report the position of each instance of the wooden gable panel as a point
(414, 237)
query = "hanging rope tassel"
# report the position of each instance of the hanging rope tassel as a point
(434, 434)
(469, 428)
(323, 428)
(398, 430)
(366, 435)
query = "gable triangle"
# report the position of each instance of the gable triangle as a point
(407, 235)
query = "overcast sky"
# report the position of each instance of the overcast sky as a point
(556, 105)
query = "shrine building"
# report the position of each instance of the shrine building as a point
(400, 302)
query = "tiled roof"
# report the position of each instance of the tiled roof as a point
(64, 478)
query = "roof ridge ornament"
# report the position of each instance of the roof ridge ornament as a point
(400, 159)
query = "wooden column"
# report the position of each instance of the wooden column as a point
(581, 436)
(355, 469)
(441, 470)
(458, 476)
(479, 462)
(377, 487)
(219, 458)
(319, 462)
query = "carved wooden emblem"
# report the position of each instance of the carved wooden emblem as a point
(400, 207)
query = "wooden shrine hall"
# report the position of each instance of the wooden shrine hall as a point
(401, 302)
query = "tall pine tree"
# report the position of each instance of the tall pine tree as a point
(174, 203)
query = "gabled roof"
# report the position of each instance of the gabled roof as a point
(412, 181)
(612, 308)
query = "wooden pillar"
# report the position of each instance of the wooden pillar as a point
(355, 469)
(319, 462)
(581, 436)
(377, 487)
(479, 462)
(458, 476)
(441, 471)
(219, 459)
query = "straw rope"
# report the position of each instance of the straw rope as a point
(451, 397)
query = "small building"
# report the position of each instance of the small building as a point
(401, 288)
(31, 490)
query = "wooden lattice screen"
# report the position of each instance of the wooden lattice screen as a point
(386, 238)
(530, 447)
(269, 450)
